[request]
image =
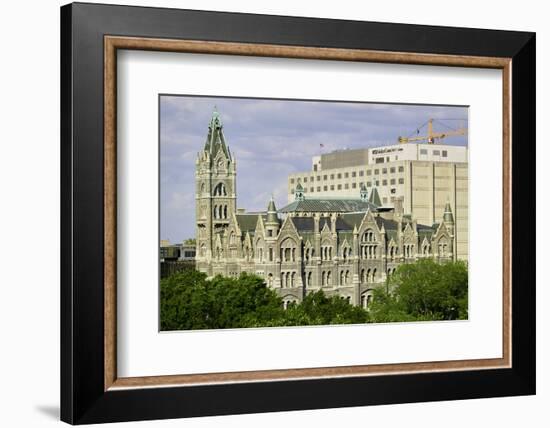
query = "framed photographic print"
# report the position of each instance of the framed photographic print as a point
(266, 213)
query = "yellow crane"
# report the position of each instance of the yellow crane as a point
(432, 136)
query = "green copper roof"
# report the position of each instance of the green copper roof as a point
(328, 205)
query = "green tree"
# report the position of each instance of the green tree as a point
(425, 290)
(190, 241)
(188, 301)
(318, 309)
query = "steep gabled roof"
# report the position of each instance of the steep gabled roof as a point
(247, 222)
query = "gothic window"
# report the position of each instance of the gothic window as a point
(293, 279)
(219, 190)
(366, 299)
(368, 236)
(426, 249)
(225, 211)
(363, 276)
(309, 276)
(373, 275)
(342, 277)
(347, 277)
(328, 278)
(288, 250)
(324, 278)
(368, 275)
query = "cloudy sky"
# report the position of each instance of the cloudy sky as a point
(271, 139)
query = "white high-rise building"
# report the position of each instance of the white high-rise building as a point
(424, 176)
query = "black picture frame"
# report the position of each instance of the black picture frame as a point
(83, 398)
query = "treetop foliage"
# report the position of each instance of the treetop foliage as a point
(424, 290)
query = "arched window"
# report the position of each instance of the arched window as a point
(363, 276)
(368, 275)
(288, 250)
(309, 277)
(328, 278)
(324, 278)
(293, 279)
(442, 247)
(342, 277)
(347, 277)
(373, 275)
(219, 190)
(369, 236)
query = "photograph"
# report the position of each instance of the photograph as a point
(284, 212)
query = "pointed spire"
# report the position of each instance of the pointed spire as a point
(364, 193)
(272, 212)
(375, 198)
(448, 213)
(216, 139)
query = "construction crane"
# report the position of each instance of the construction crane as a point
(433, 136)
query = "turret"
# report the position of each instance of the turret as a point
(448, 215)
(375, 198)
(299, 193)
(449, 222)
(272, 220)
(364, 193)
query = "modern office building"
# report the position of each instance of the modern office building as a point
(425, 176)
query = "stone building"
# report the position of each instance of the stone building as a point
(343, 245)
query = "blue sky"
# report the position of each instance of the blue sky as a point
(271, 139)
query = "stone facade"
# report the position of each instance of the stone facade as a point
(345, 246)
